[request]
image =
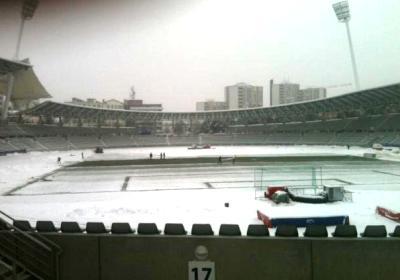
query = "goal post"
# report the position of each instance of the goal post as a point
(300, 177)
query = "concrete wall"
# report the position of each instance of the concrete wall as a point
(122, 257)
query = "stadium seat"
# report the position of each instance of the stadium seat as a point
(148, 228)
(121, 228)
(286, 231)
(257, 230)
(22, 225)
(316, 231)
(202, 229)
(70, 227)
(3, 225)
(95, 227)
(229, 230)
(396, 232)
(374, 231)
(174, 229)
(45, 226)
(345, 231)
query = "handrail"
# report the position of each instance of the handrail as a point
(29, 236)
(37, 250)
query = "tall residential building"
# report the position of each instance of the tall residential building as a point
(210, 105)
(286, 93)
(243, 95)
(283, 93)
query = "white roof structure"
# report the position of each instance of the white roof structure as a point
(26, 85)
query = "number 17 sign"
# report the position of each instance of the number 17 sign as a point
(201, 270)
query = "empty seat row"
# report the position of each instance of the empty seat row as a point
(346, 231)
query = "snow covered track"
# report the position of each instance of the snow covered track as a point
(188, 192)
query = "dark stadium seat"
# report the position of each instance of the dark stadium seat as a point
(147, 228)
(3, 225)
(316, 231)
(257, 230)
(174, 229)
(345, 231)
(229, 230)
(70, 227)
(286, 231)
(45, 226)
(374, 231)
(95, 227)
(202, 229)
(396, 232)
(22, 225)
(121, 228)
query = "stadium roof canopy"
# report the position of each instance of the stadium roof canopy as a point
(10, 66)
(26, 84)
(365, 100)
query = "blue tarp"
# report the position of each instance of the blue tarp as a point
(305, 221)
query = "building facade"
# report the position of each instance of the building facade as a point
(138, 105)
(93, 102)
(312, 94)
(243, 95)
(286, 93)
(210, 105)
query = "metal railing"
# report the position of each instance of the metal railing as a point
(28, 250)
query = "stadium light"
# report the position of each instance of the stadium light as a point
(342, 12)
(27, 12)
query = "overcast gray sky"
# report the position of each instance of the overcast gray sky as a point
(177, 52)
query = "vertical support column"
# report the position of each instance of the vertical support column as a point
(10, 88)
(353, 58)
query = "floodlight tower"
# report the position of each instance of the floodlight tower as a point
(28, 10)
(342, 12)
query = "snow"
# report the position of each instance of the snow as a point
(189, 194)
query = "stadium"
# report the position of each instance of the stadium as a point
(307, 190)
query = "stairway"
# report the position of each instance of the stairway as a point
(26, 255)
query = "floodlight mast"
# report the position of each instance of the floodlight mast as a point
(342, 12)
(27, 12)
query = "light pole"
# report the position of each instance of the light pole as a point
(342, 12)
(28, 9)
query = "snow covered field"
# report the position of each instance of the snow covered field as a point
(189, 194)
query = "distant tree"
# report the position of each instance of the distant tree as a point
(179, 128)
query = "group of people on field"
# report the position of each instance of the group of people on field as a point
(162, 155)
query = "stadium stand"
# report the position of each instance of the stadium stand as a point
(77, 254)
